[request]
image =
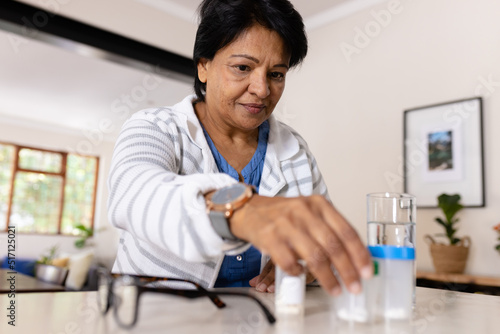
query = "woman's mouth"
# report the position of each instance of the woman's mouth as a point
(253, 108)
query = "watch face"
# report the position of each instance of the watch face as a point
(228, 194)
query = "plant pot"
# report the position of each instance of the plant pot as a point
(449, 259)
(51, 274)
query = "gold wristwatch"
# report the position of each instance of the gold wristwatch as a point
(222, 203)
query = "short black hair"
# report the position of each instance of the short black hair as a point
(222, 21)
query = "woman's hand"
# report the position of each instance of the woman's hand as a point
(307, 228)
(265, 281)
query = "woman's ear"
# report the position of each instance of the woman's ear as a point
(203, 69)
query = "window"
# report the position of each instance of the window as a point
(46, 192)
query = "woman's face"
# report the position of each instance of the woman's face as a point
(245, 79)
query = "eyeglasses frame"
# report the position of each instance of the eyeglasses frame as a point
(140, 281)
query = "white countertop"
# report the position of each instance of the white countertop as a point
(437, 311)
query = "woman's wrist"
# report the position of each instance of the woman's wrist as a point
(238, 224)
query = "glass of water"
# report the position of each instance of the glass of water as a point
(391, 240)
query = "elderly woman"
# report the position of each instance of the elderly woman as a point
(214, 187)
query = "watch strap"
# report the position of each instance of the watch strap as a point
(221, 225)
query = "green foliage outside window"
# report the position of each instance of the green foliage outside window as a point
(40, 160)
(6, 169)
(36, 202)
(43, 182)
(79, 193)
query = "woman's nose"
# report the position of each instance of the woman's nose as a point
(259, 85)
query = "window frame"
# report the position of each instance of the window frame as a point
(62, 174)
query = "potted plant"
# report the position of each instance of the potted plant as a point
(450, 257)
(85, 233)
(47, 258)
(51, 270)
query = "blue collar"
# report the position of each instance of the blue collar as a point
(252, 172)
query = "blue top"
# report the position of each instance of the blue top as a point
(236, 271)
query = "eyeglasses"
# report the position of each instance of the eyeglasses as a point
(122, 292)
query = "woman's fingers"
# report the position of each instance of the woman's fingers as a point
(308, 228)
(316, 260)
(330, 246)
(253, 281)
(356, 250)
(310, 278)
(265, 281)
(335, 250)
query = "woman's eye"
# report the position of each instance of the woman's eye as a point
(242, 68)
(277, 75)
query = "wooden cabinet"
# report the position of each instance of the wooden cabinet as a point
(459, 282)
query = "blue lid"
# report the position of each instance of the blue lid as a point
(392, 252)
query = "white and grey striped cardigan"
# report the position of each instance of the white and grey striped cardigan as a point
(162, 166)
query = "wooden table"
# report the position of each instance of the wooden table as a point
(10, 280)
(459, 282)
(436, 311)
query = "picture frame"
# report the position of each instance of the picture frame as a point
(443, 152)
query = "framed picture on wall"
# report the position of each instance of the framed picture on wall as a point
(443, 152)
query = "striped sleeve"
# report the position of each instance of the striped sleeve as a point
(151, 200)
(318, 184)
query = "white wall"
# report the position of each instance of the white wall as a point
(351, 112)
(46, 136)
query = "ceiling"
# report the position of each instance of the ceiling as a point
(53, 86)
(186, 8)
(315, 13)
(49, 86)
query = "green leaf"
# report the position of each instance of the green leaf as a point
(47, 259)
(80, 243)
(81, 227)
(441, 222)
(450, 205)
(86, 231)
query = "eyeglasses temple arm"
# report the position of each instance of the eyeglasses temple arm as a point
(191, 294)
(270, 317)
